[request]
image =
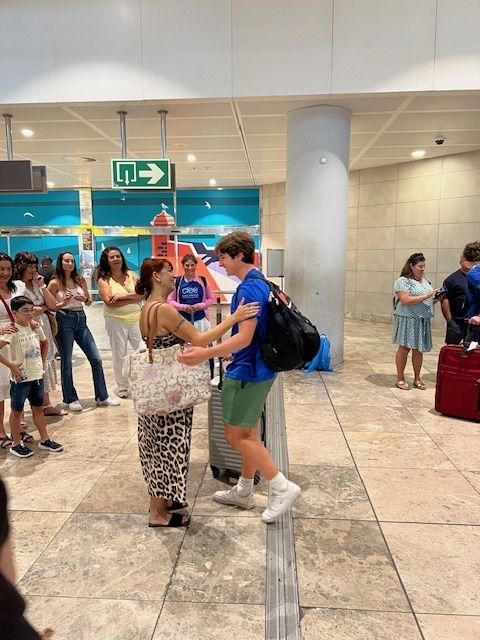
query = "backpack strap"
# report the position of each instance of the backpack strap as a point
(204, 280)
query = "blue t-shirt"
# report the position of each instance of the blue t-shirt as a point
(248, 364)
(473, 291)
(190, 292)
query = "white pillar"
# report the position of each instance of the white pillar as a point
(318, 142)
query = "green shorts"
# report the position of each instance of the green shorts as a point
(243, 402)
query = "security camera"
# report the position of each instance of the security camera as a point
(440, 140)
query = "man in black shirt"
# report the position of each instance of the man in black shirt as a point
(454, 303)
(46, 269)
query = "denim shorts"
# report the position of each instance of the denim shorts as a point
(21, 391)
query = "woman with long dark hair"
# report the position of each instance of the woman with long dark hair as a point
(71, 293)
(164, 440)
(116, 286)
(25, 272)
(412, 318)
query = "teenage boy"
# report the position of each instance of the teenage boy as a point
(28, 350)
(247, 382)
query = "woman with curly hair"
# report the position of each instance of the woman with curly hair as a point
(116, 286)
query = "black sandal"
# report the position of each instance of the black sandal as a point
(176, 505)
(26, 437)
(5, 442)
(177, 520)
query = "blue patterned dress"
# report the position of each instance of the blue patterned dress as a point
(412, 323)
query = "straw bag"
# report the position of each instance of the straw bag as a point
(159, 383)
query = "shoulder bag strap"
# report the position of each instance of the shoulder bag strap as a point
(9, 311)
(151, 328)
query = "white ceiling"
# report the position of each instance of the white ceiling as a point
(239, 143)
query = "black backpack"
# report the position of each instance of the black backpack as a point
(291, 340)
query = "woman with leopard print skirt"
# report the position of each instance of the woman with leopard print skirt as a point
(164, 441)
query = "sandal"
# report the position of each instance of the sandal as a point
(26, 437)
(401, 384)
(50, 410)
(176, 505)
(5, 442)
(419, 384)
(177, 520)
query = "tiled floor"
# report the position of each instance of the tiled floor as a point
(387, 528)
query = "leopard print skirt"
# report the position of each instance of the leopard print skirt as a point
(164, 446)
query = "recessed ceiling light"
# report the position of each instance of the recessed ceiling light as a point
(181, 145)
(219, 188)
(418, 153)
(191, 157)
(26, 133)
(212, 182)
(50, 185)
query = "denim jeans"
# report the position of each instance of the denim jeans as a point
(72, 327)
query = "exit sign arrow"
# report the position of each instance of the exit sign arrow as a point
(155, 173)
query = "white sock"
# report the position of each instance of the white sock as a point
(279, 483)
(244, 486)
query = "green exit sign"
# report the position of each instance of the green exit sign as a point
(141, 174)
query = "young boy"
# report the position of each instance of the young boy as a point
(247, 382)
(28, 349)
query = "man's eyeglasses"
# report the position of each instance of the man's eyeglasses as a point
(26, 312)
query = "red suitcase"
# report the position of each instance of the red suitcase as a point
(458, 383)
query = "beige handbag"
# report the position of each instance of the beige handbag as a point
(159, 383)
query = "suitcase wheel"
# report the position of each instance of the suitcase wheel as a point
(216, 472)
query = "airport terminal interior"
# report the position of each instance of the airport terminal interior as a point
(344, 137)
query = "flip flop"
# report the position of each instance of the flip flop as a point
(419, 384)
(26, 437)
(49, 410)
(176, 505)
(5, 442)
(401, 384)
(177, 520)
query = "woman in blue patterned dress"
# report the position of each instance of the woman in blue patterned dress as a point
(412, 318)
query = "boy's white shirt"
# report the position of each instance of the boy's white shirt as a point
(25, 350)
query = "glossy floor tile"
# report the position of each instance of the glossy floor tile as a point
(181, 620)
(345, 564)
(439, 565)
(422, 495)
(222, 560)
(386, 528)
(338, 624)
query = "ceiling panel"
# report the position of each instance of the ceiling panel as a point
(444, 120)
(396, 124)
(150, 110)
(50, 131)
(176, 127)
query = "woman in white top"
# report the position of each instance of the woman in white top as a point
(116, 286)
(71, 293)
(8, 290)
(26, 275)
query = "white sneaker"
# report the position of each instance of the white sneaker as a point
(75, 406)
(109, 402)
(280, 502)
(231, 496)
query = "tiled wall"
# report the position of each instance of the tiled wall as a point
(429, 205)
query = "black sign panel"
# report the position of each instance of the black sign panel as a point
(16, 175)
